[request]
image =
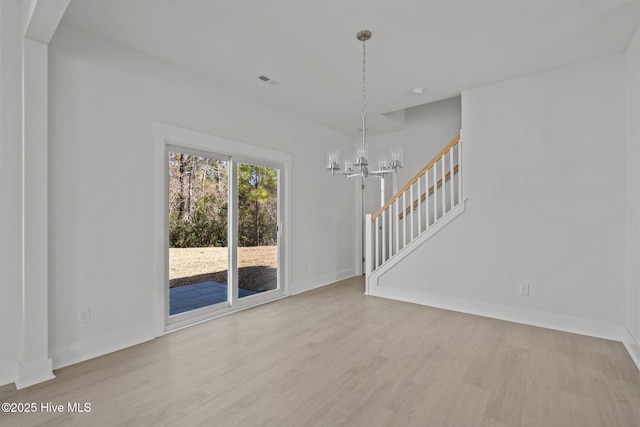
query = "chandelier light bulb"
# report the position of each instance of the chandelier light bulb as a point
(348, 166)
(383, 162)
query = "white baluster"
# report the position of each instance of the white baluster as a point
(384, 237)
(419, 206)
(368, 268)
(451, 178)
(404, 216)
(443, 187)
(376, 263)
(426, 200)
(459, 171)
(435, 193)
(410, 214)
(396, 220)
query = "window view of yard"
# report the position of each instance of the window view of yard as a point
(257, 266)
(198, 228)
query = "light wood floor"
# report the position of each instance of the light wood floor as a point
(334, 357)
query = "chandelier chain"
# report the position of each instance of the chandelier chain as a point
(364, 86)
(364, 96)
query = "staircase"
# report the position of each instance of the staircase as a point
(422, 207)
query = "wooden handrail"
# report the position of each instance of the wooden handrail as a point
(412, 181)
(423, 196)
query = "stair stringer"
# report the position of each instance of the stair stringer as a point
(372, 278)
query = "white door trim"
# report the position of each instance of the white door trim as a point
(165, 135)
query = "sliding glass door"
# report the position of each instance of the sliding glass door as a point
(198, 230)
(257, 248)
(223, 232)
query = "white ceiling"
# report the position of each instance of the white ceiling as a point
(309, 49)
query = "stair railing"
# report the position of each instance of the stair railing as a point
(416, 207)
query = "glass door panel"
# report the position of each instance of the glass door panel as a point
(258, 220)
(198, 223)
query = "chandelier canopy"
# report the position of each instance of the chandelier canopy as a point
(359, 164)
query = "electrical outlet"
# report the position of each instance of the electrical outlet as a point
(84, 315)
(524, 290)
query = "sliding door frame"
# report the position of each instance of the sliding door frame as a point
(167, 137)
(233, 236)
(186, 315)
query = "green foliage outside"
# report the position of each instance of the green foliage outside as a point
(198, 203)
(206, 226)
(257, 205)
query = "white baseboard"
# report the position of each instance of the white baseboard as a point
(8, 372)
(576, 325)
(32, 373)
(317, 282)
(26, 374)
(99, 346)
(632, 344)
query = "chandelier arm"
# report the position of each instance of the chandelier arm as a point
(381, 172)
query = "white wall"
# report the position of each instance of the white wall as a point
(544, 174)
(632, 320)
(10, 187)
(103, 99)
(427, 129)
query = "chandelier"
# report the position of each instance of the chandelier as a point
(359, 164)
